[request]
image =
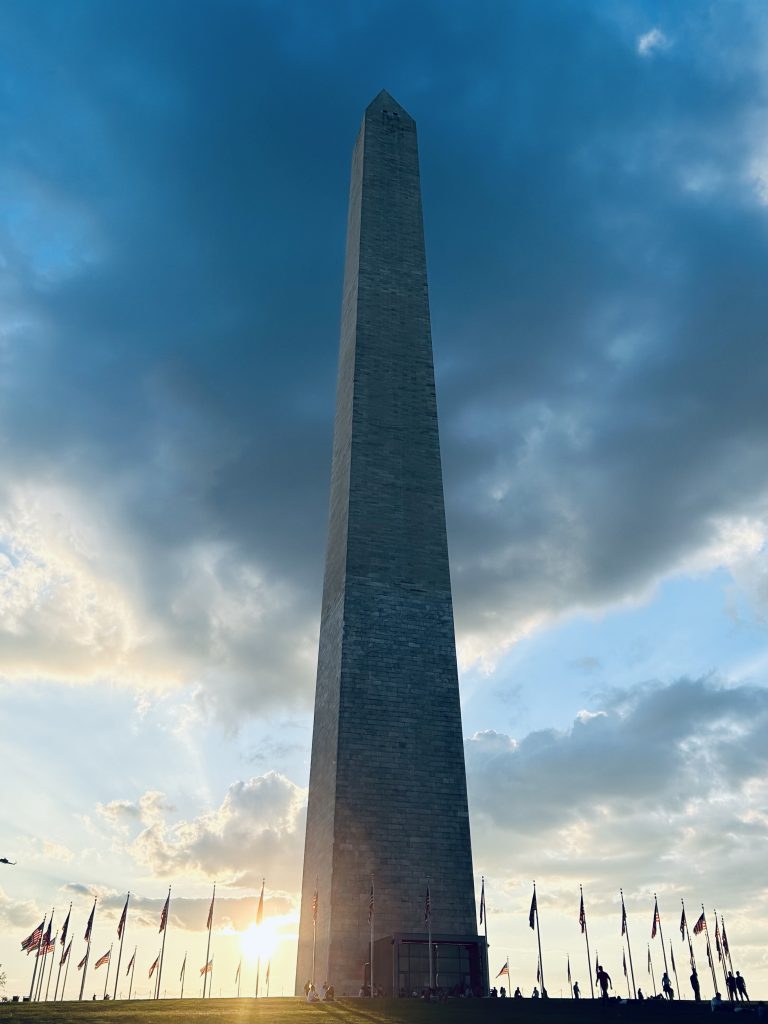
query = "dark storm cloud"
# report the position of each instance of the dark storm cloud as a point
(175, 200)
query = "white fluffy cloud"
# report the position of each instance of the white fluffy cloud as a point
(650, 41)
(256, 832)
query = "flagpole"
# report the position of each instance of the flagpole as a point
(726, 945)
(45, 939)
(50, 969)
(429, 935)
(183, 974)
(657, 917)
(239, 974)
(674, 968)
(688, 934)
(625, 930)
(709, 949)
(720, 954)
(258, 974)
(583, 917)
(109, 964)
(371, 916)
(570, 979)
(314, 927)
(629, 993)
(37, 950)
(269, 964)
(66, 970)
(88, 949)
(538, 936)
(487, 978)
(210, 929)
(63, 941)
(133, 970)
(123, 921)
(162, 948)
(650, 964)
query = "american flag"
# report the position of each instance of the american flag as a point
(153, 968)
(208, 967)
(582, 915)
(538, 970)
(656, 919)
(533, 911)
(164, 913)
(427, 908)
(123, 917)
(314, 907)
(504, 970)
(89, 926)
(183, 967)
(683, 924)
(65, 929)
(718, 947)
(209, 922)
(102, 959)
(624, 959)
(65, 954)
(482, 900)
(725, 942)
(569, 970)
(81, 965)
(33, 941)
(370, 905)
(623, 916)
(237, 972)
(649, 959)
(672, 954)
(260, 908)
(130, 964)
(700, 925)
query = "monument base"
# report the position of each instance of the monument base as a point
(401, 964)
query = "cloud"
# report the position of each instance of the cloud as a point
(168, 344)
(17, 913)
(656, 789)
(651, 41)
(256, 832)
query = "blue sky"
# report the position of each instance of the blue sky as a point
(172, 215)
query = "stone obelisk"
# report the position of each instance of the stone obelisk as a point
(387, 790)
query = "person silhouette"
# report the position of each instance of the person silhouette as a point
(576, 990)
(730, 984)
(666, 986)
(640, 996)
(603, 980)
(741, 987)
(695, 985)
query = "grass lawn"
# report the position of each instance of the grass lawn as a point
(351, 1011)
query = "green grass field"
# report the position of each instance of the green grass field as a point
(351, 1011)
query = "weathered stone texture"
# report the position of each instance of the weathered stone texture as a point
(387, 784)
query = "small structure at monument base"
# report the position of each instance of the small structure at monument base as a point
(402, 965)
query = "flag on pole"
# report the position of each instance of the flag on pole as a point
(656, 919)
(569, 969)
(260, 908)
(624, 959)
(47, 936)
(153, 968)
(183, 967)
(709, 957)
(538, 970)
(533, 911)
(130, 964)
(649, 959)
(725, 942)
(370, 904)
(700, 925)
(718, 947)
(266, 980)
(164, 913)
(123, 918)
(102, 960)
(582, 915)
(33, 941)
(504, 970)
(482, 900)
(209, 922)
(672, 954)
(65, 954)
(65, 929)
(46, 946)
(237, 972)
(89, 926)
(208, 967)
(623, 917)
(683, 924)
(315, 899)
(427, 908)
(81, 965)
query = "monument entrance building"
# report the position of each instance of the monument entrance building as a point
(387, 818)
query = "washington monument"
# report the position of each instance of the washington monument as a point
(387, 816)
